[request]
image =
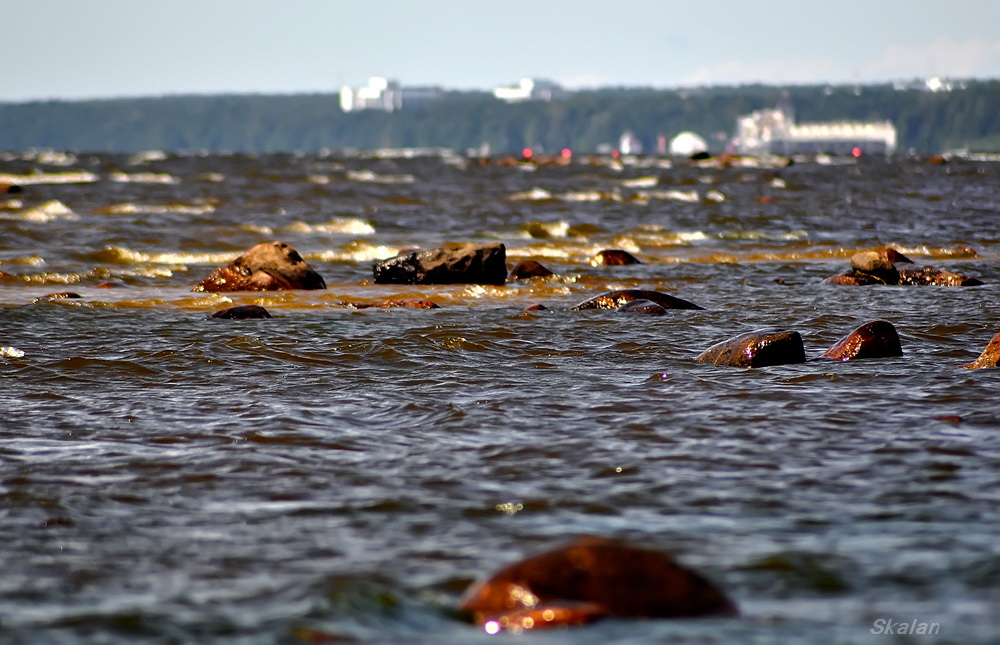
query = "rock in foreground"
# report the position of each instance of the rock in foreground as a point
(242, 312)
(268, 266)
(876, 339)
(757, 349)
(589, 579)
(470, 264)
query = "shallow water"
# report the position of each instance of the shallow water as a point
(345, 473)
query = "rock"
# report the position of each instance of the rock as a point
(268, 266)
(990, 356)
(876, 339)
(876, 265)
(111, 284)
(614, 257)
(242, 312)
(10, 189)
(470, 264)
(528, 269)
(407, 303)
(641, 306)
(757, 349)
(536, 307)
(589, 579)
(61, 295)
(615, 299)
(936, 277)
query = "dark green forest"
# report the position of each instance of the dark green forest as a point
(927, 122)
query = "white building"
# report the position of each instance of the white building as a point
(383, 94)
(528, 89)
(774, 131)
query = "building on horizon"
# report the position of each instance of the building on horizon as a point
(528, 89)
(774, 131)
(385, 95)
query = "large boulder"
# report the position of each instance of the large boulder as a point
(268, 266)
(470, 264)
(990, 356)
(876, 339)
(589, 579)
(757, 349)
(615, 299)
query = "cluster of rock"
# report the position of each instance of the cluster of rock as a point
(276, 265)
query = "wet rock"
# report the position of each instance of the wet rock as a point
(643, 307)
(614, 257)
(878, 267)
(990, 356)
(615, 299)
(757, 349)
(470, 264)
(10, 189)
(528, 269)
(589, 579)
(876, 339)
(242, 312)
(268, 266)
(929, 276)
(406, 303)
(60, 295)
(536, 307)
(111, 284)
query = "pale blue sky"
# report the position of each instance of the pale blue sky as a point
(106, 48)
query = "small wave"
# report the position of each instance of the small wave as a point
(50, 157)
(49, 211)
(339, 226)
(356, 252)
(70, 177)
(11, 352)
(640, 182)
(146, 156)
(143, 178)
(542, 230)
(687, 196)
(369, 176)
(128, 208)
(589, 196)
(122, 255)
(534, 195)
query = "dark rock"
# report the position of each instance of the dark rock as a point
(641, 306)
(589, 579)
(878, 267)
(268, 266)
(990, 356)
(470, 264)
(242, 312)
(615, 299)
(852, 279)
(528, 269)
(10, 189)
(61, 295)
(876, 339)
(614, 257)
(536, 307)
(757, 349)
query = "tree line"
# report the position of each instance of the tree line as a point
(926, 122)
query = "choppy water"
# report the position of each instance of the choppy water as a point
(345, 473)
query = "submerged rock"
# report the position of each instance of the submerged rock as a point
(615, 299)
(470, 264)
(404, 303)
(528, 269)
(268, 266)
(614, 257)
(990, 356)
(242, 312)
(589, 579)
(757, 349)
(876, 339)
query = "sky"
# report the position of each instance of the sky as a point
(68, 49)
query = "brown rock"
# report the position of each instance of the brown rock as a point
(615, 299)
(614, 257)
(642, 307)
(536, 307)
(528, 269)
(876, 339)
(936, 277)
(757, 349)
(876, 265)
(268, 266)
(589, 579)
(470, 264)
(990, 356)
(242, 312)
(10, 189)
